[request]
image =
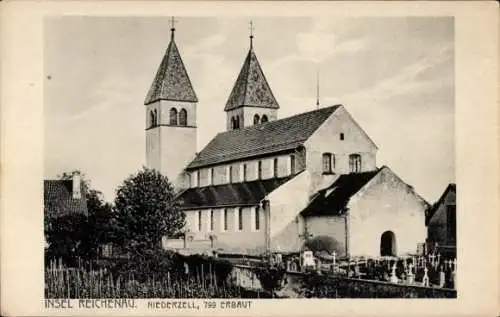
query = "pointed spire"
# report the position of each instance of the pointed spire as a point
(171, 81)
(251, 87)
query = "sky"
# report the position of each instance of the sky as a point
(395, 75)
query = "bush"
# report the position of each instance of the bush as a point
(270, 276)
(323, 243)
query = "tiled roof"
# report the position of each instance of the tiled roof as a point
(58, 198)
(227, 195)
(262, 139)
(251, 87)
(171, 81)
(333, 199)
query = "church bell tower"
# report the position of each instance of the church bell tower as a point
(251, 100)
(171, 103)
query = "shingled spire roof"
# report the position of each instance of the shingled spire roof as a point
(251, 87)
(171, 81)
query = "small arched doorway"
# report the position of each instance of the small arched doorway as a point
(388, 244)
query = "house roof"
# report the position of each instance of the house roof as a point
(333, 199)
(262, 139)
(229, 195)
(58, 198)
(171, 81)
(251, 87)
(433, 208)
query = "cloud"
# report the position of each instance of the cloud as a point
(353, 45)
(406, 80)
(206, 45)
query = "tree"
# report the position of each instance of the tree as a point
(99, 226)
(66, 235)
(146, 212)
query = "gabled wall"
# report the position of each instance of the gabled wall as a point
(286, 203)
(327, 139)
(385, 203)
(438, 224)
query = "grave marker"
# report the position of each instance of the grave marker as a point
(425, 279)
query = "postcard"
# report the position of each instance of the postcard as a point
(257, 158)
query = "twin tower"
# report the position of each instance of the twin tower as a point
(171, 102)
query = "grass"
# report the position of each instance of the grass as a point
(64, 282)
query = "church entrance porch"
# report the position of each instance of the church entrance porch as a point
(388, 244)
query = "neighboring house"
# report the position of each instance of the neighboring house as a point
(441, 221)
(63, 197)
(257, 186)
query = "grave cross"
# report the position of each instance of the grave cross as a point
(425, 279)
(441, 277)
(431, 258)
(411, 277)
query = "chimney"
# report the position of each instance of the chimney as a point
(77, 193)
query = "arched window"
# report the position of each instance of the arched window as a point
(263, 119)
(256, 119)
(327, 162)
(275, 167)
(230, 176)
(173, 116)
(225, 220)
(259, 170)
(292, 164)
(212, 176)
(355, 163)
(235, 122)
(199, 220)
(257, 218)
(240, 218)
(183, 117)
(212, 222)
(151, 119)
(156, 117)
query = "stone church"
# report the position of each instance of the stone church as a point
(268, 183)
